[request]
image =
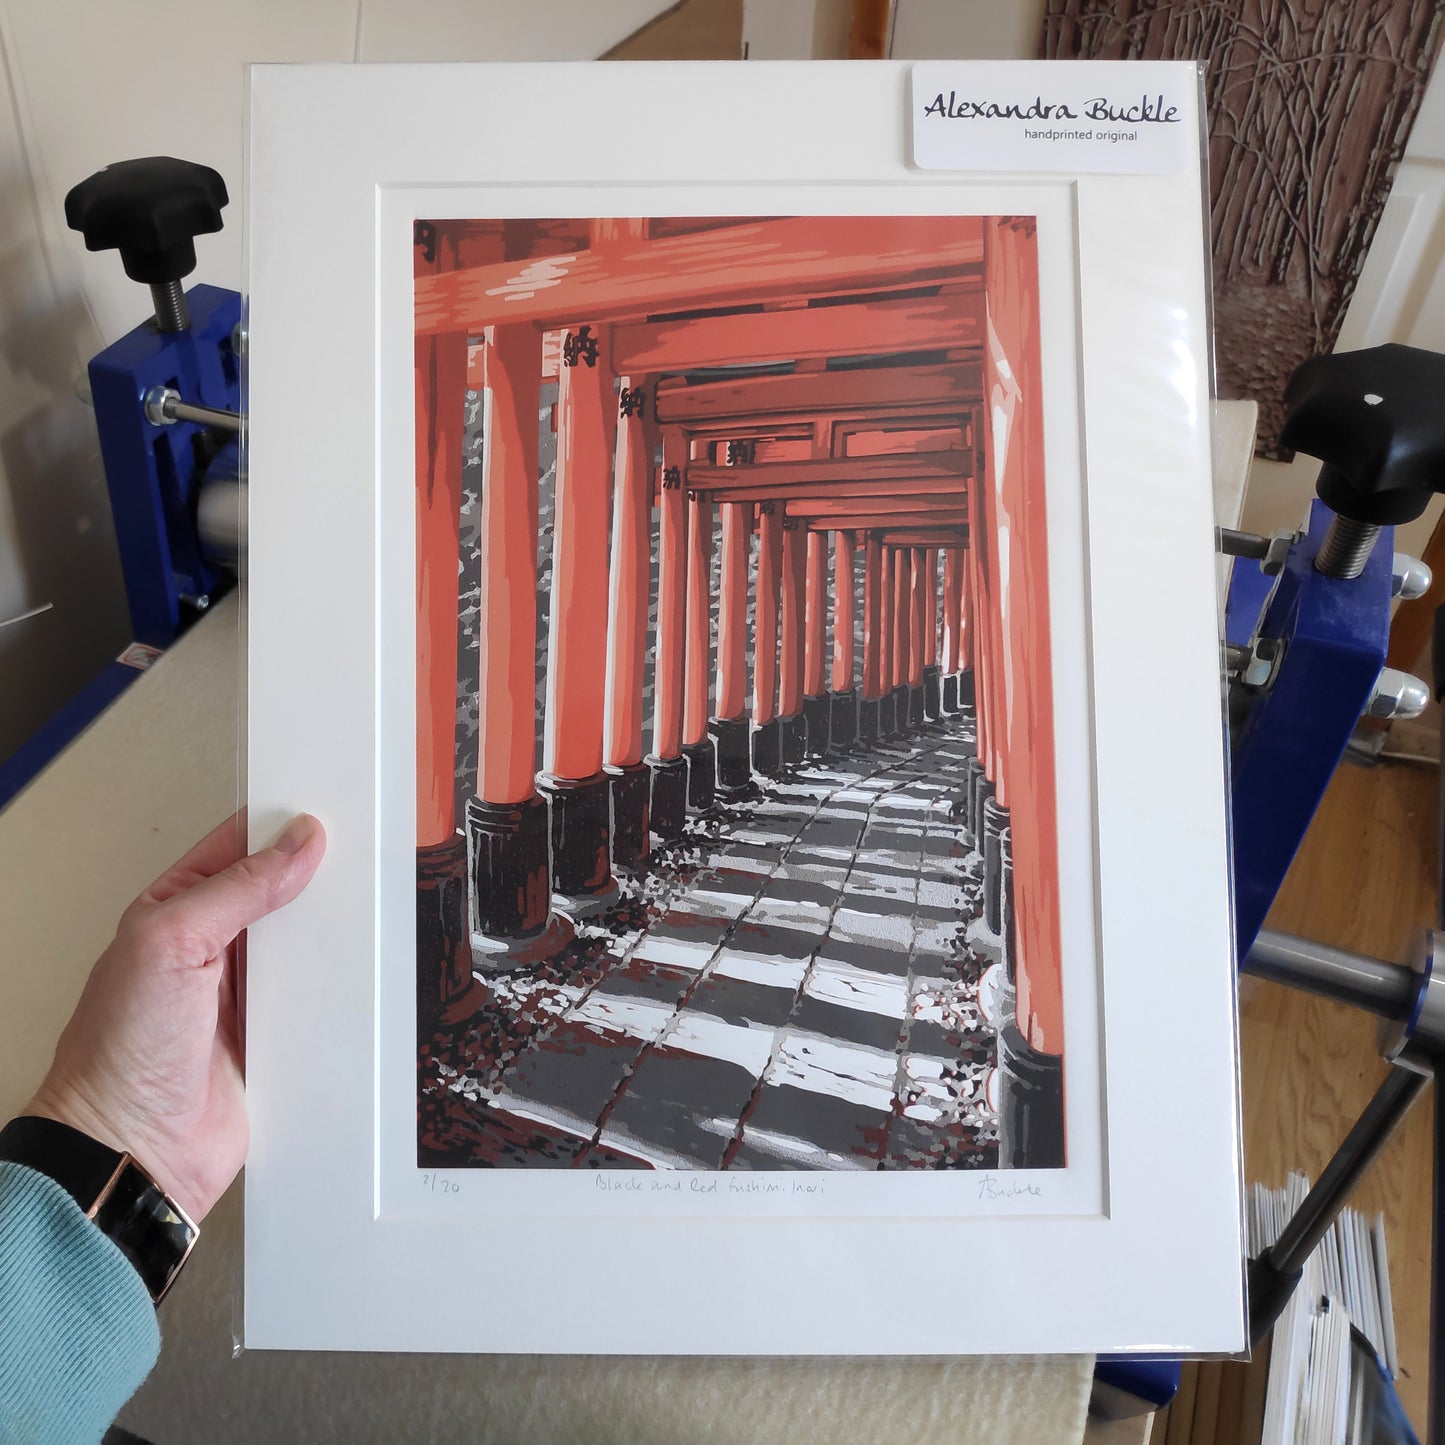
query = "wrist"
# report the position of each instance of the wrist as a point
(112, 1190)
(72, 1105)
(67, 1105)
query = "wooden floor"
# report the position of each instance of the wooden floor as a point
(1366, 879)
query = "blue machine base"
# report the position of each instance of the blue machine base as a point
(1129, 1385)
(1290, 741)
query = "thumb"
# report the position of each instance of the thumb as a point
(204, 919)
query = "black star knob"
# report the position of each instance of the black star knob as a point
(150, 210)
(1376, 419)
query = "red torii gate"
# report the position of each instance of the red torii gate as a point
(926, 445)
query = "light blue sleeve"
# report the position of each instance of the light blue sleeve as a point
(78, 1331)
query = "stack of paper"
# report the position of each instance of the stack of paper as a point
(1334, 1345)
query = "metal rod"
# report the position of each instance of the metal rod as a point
(204, 415)
(1275, 1274)
(1346, 548)
(221, 521)
(1398, 1090)
(1386, 989)
(169, 300)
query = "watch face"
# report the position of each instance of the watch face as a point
(147, 1228)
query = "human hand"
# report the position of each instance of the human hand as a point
(151, 1062)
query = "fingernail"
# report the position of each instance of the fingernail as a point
(296, 834)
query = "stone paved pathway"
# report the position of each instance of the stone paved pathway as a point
(791, 987)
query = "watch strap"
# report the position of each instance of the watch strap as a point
(150, 1229)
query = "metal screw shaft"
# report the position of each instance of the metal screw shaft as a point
(1346, 548)
(170, 302)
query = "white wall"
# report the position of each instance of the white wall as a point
(818, 29)
(87, 82)
(1400, 297)
(978, 29)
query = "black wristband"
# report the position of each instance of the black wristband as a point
(153, 1232)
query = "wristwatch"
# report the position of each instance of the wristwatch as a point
(117, 1195)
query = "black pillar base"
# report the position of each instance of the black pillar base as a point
(701, 774)
(732, 742)
(888, 715)
(510, 919)
(917, 706)
(963, 803)
(667, 801)
(900, 711)
(995, 820)
(982, 791)
(819, 713)
(630, 790)
(1030, 1104)
(948, 695)
(582, 880)
(969, 740)
(869, 722)
(843, 720)
(793, 738)
(1008, 994)
(933, 694)
(965, 688)
(767, 746)
(445, 988)
(1006, 900)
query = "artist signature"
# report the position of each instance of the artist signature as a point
(989, 1187)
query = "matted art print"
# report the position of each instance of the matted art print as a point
(754, 862)
(736, 826)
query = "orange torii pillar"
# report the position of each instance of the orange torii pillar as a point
(572, 779)
(668, 802)
(697, 744)
(952, 620)
(932, 672)
(444, 953)
(730, 730)
(967, 685)
(887, 698)
(873, 588)
(792, 645)
(1032, 1127)
(630, 585)
(990, 702)
(767, 741)
(508, 847)
(979, 769)
(992, 815)
(843, 706)
(817, 705)
(902, 615)
(917, 638)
